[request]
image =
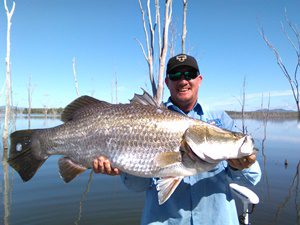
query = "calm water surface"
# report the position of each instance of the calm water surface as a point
(99, 199)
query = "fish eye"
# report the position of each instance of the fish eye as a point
(19, 147)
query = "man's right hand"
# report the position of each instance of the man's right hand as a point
(102, 165)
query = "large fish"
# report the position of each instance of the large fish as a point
(141, 138)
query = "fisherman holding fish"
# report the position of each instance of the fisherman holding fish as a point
(182, 155)
(203, 198)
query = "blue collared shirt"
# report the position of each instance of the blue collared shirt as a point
(202, 199)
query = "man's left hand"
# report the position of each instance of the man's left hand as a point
(242, 163)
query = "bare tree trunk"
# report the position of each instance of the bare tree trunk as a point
(266, 114)
(116, 85)
(242, 103)
(6, 192)
(75, 76)
(112, 92)
(29, 101)
(162, 58)
(184, 27)
(292, 77)
(46, 112)
(150, 46)
(265, 118)
(157, 89)
(8, 75)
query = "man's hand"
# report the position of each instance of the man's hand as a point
(102, 165)
(242, 163)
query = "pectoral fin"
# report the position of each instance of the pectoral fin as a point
(167, 158)
(68, 170)
(166, 186)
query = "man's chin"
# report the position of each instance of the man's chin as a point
(183, 96)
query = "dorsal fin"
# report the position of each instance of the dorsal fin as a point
(76, 108)
(145, 99)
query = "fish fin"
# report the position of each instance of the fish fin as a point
(145, 99)
(74, 109)
(166, 186)
(68, 169)
(25, 153)
(166, 158)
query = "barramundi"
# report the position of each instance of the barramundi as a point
(141, 138)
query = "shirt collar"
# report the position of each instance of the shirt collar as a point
(196, 109)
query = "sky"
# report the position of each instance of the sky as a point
(223, 35)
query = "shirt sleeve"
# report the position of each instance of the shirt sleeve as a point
(135, 183)
(229, 123)
(249, 177)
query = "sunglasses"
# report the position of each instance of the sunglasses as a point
(186, 75)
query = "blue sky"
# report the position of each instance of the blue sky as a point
(222, 35)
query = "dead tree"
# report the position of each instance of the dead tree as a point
(8, 75)
(116, 86)
(29, 90)
(291, 76)
(46, 106)
(75, 76)
(184, 26)
(242, 102)
(149, 53)
(46, 111)
(114, 90)
(265, 118)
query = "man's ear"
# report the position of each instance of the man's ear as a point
(167, 81)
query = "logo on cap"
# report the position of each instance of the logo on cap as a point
(181, 58)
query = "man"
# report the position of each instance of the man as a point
(204, 198)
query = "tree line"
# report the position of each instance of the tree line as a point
(49, 111)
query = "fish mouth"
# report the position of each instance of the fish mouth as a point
(247, 143)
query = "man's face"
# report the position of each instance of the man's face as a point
(184, 93)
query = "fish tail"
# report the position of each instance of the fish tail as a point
(25, 154)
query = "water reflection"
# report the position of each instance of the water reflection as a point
(294, 187)
(83, 198)
(279, 187)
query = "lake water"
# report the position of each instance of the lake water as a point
(100, 199)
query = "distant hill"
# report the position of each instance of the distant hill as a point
(265, 113)
(49, 111)
(276, 110)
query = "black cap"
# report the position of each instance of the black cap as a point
(182, 60)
